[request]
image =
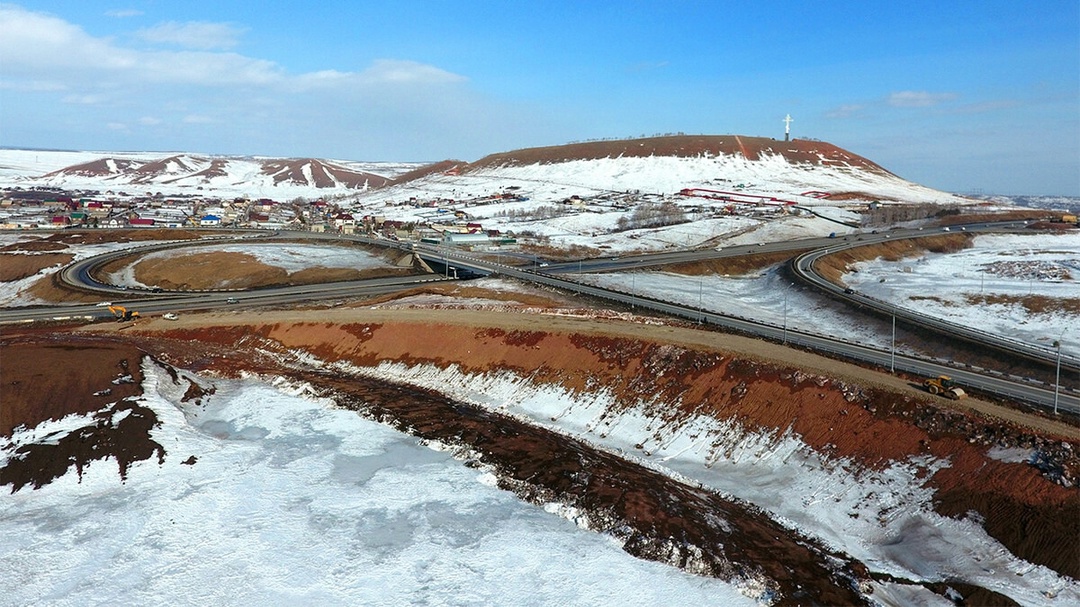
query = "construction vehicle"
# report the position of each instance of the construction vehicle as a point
(123, 314)
(945, 386)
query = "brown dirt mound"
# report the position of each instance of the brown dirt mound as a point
(733, 266)
(431, 169)
(50, 377)
(1034, 304)
(33, 246)
(223, 270)
(753, 148)
(17, 267)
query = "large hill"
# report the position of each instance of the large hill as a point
(799, 151)
(667, 165)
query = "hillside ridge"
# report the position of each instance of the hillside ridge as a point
(796, 151)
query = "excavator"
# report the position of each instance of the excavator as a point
(122, 314)
(945, 386)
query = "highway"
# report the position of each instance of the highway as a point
(803, 268)
(80, 274)
(1010, 387)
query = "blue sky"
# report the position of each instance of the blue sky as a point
(961, 96)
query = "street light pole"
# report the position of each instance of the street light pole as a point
(892, 353)
(785, 316)
(700, 304)
(1057, 377)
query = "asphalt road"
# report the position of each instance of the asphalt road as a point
(548, 274)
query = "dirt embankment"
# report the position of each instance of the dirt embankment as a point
(16, 266)
(733, 266)
(833, 266)
(214, 270)
(839, 410)
(835, 413)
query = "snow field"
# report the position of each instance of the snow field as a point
(883, 518)
(938, 285)
(294, 502)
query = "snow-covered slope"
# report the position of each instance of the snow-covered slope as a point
(176, 173)
(575, 195)
(667, 165)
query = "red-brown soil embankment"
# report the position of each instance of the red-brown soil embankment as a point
(16, 266)
(53, 375)
(836, 408)
(833, 266)
(215, 270)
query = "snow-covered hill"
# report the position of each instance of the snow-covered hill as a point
(719, 187)
(177, 173)
(802, 171)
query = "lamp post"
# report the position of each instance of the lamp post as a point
(785, 317)
(700, 303)
(1057, 376)
(892, 350)
(786, 290)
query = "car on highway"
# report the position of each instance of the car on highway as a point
(232, 300)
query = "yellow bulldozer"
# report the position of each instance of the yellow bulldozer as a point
(945, 386)
(121, 313)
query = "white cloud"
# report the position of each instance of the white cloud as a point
(846, 111)
(149, 121)
(83, 99)
(918, 98)
(54, 53)
(254, 104)
(398, 71)
(198, 35)
(123, 13)
(44, 46)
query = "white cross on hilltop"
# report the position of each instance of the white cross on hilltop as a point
(787, 126)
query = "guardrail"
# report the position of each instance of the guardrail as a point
(803, 268)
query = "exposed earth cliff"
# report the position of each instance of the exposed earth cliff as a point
(479, 382)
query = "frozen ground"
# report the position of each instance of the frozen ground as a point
(935, 284)
(882, 517)
(291, 257)
(1011, 265)
(762, 296)
(292, 502)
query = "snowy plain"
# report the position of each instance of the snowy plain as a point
(884, 518)
(294, 502)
